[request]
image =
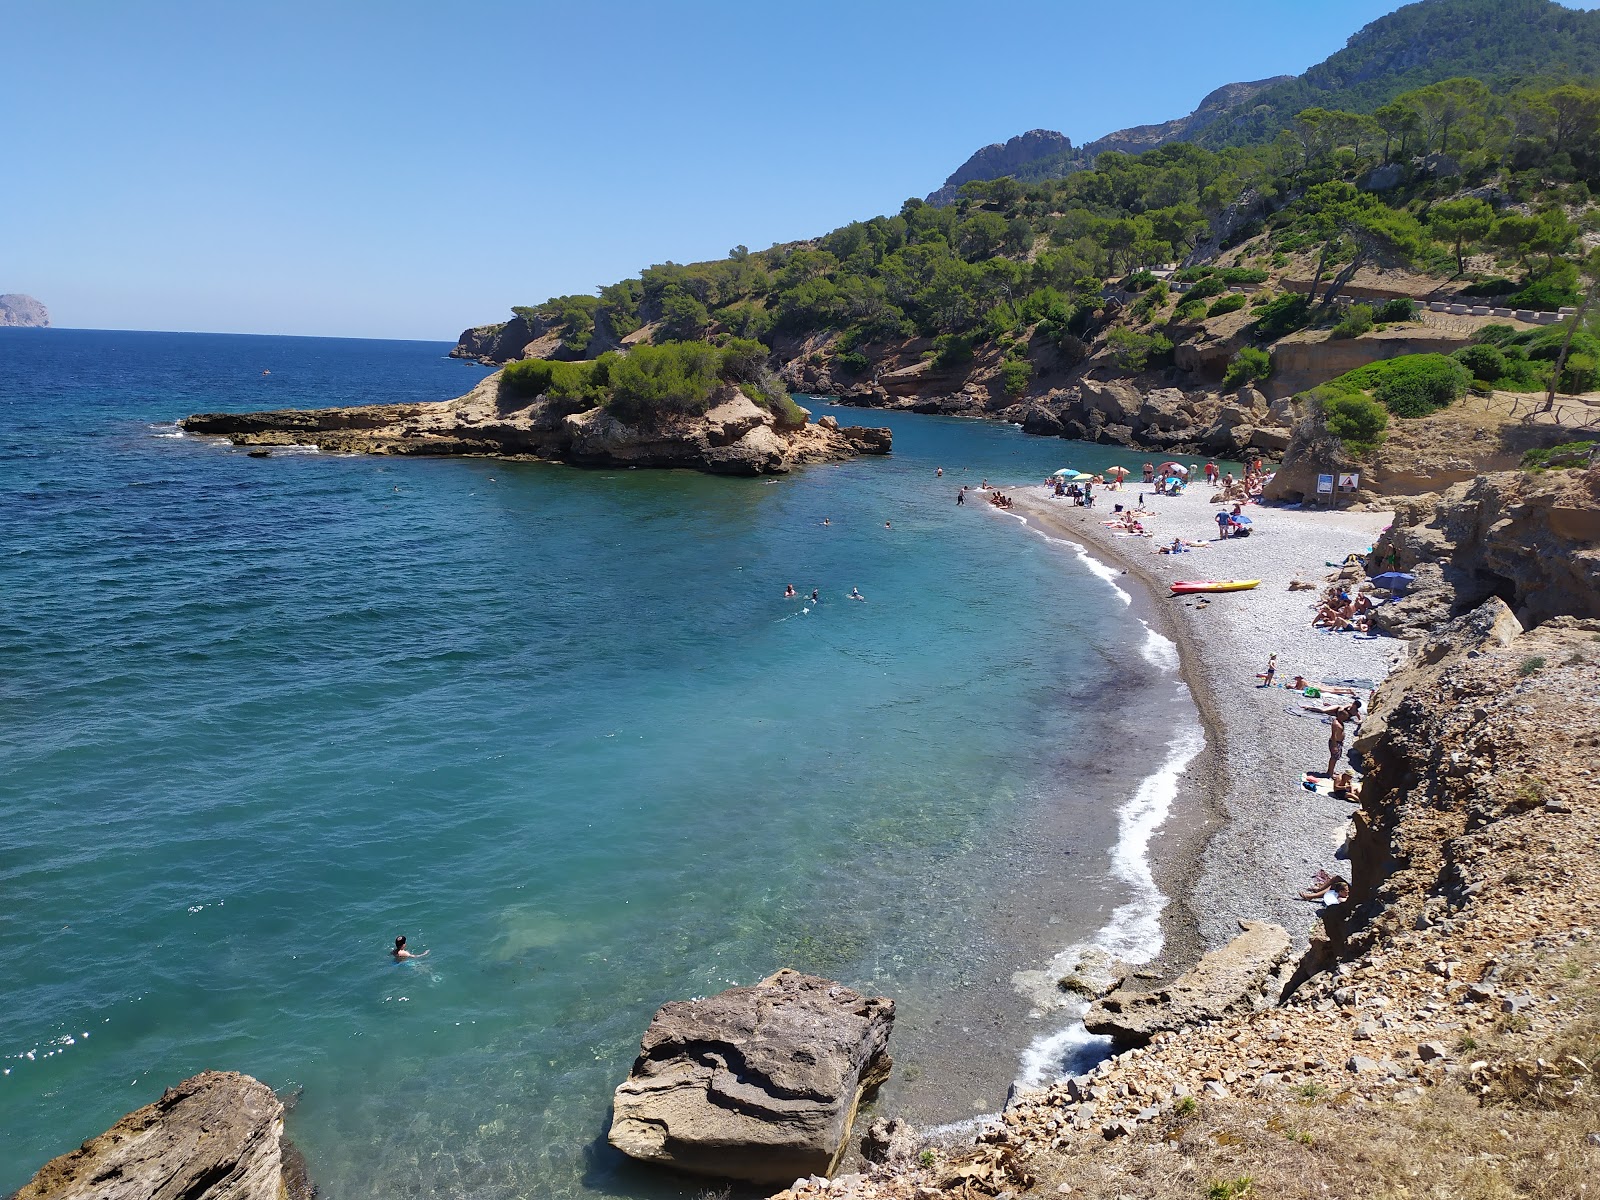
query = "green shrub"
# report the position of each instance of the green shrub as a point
(1396, 310)
(852, 361)
(1193, 274)
(1356, 420)
(1413, 385)
(743, 360)
(1261, 298)
(1190, 311)
(952, 350)
(573, 386)
(1355, 322)
(1138, 281)
(672, 379)
(1282, 316)
(1580, 373)
(1241, 276)
(1559, 458)
(1016, 373)
(1495, 285)
(1135, 351)
(1485, 361)
(1206, 288)
(1557, 289)
(1227, 304)
(1247, 366)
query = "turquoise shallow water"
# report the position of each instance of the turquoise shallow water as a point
(259, 716)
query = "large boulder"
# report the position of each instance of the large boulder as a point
(1117, 400)
(1223, 983)
(757, 1083)
(218, 1136)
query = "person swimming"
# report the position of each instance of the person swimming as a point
(855, 594)
(816, 597)
(825, 521)
(789, 593)
(400, 953)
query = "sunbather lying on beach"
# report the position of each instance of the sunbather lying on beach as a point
(1330, 889)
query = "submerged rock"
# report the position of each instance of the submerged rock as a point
(218, 1136)
(1224, 982)
(757, 1083)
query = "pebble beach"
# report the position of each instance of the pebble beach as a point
(1267, 834)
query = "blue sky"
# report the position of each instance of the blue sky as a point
(408, 169)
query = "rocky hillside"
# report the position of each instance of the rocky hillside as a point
(1417, 45)
(1441, 1036)
(22, 312)
(1046, 154)
(734, 436)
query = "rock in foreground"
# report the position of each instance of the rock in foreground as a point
(758, 1083)
(733, 437)
(218, 1136)
(1225, 982)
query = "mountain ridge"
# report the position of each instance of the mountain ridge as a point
(1420, 43)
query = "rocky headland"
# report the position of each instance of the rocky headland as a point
(734, 436)
(22, 312)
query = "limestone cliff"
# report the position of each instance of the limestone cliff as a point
(22, 312)
(733, 437)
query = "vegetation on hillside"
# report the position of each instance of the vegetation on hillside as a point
(1037, 277)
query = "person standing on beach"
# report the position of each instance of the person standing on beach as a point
(1271, 672)
(1211, 473)
(1336, 740)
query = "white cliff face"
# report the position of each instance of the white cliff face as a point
(24, 312)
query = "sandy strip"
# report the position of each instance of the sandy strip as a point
(1272, 833)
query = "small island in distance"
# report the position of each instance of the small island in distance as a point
(22, 312)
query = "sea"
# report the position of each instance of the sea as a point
(561, 729)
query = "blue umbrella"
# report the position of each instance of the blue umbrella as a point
(1394, 581)
(1241, 519)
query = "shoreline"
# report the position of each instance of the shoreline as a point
(1240, 837)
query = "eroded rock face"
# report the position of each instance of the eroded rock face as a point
(757, 1083)
(734, 437)
(23, 312)
(1224, 983)
(218, 1136)
(1532, 540)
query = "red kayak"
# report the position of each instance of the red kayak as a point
(1185, 587)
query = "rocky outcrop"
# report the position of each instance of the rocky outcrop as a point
(1005, 158)
(733, 437)
(218, 1136)
(1226, 982)
(1306, 360)
(1532, 540)
(757, 1083)
(22, 312)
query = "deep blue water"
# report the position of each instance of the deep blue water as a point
(257, 716)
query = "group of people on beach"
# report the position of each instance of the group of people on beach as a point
(1340, 705)
(1344, 611)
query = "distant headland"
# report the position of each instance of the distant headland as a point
(22, 312)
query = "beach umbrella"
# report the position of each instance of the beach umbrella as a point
(1082, 478)
(1065, 471)
(1241, 519)
(1394, 581)
(1119, 472)
(1172, 468)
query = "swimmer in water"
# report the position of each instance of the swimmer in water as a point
(886, 525)
(400, 952)
(825, 521)
(855, 594)
(939, 474)
(815, 598)
(789, 592)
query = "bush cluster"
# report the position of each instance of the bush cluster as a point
(1412, 385)
(1247, 366)
(1354, 418)
(1227, 304)
(1356, 321)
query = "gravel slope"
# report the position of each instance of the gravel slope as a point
(1275, 834)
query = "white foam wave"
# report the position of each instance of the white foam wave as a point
(1132, 936)
(1100, 570)
(1159, 652)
